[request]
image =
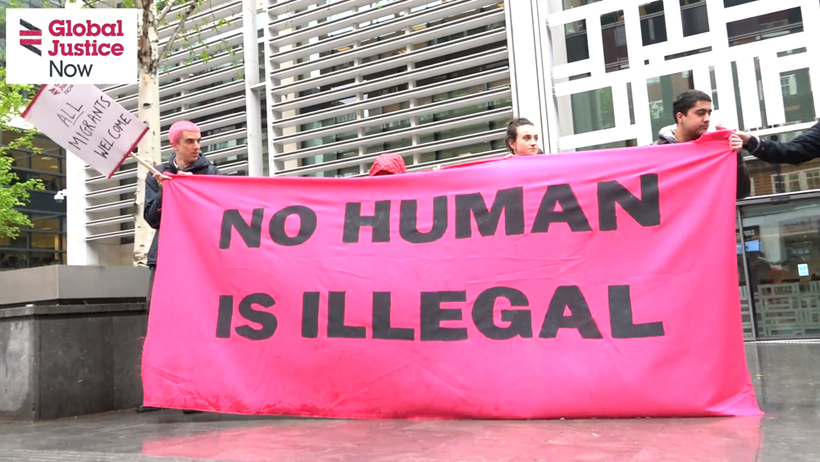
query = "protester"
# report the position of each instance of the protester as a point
(522, 138)
(802, 149)
(692, 111)
(388, 164)
(185, 139)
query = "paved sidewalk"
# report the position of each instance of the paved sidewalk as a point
(786, 377)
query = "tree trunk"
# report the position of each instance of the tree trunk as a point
(149, 147)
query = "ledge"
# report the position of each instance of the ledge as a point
(56, 310)
(51, 283)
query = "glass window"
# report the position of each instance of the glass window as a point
(46, 222)
(45, 258)
(813, 179)
(615, 144)
(53, 182)
(797, 96)
(796, 51)
(715, 102)
(613, 34)
(43, 163)
(784, 267)
(662, 93)
(738, 104)
(46, 215)
(20, 242)
(45, 241)
(576, 38)
(765, 26)
(761, 97)
(694, 18)
(21, 159)
(591, 111)
(576, 3)
(751, 234)
(776, 179)
(653, 23)
(586, 112)
(47, 146)
(50, 182)
(7, 137)
(13, 260)
(569, 42)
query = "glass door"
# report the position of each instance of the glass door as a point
(743, 286)
(782, 257)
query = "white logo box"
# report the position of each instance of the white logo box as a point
(73, 46)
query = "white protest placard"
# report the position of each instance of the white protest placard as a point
(79, 46)
(84, 120)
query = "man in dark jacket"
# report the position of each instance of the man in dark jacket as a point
(693, 111)
(185, 137)
(802, 149)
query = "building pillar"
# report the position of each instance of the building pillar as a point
(530, 76)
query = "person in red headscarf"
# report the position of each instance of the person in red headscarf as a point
(388, 164)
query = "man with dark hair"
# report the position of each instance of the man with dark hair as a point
(692, 111)
(801, 149)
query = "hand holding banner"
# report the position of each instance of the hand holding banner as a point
(84, 120)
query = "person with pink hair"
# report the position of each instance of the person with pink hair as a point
(187, 159)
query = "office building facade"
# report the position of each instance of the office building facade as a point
(310, 88)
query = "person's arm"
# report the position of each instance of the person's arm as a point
(744, 181)
(153, 202)
(802, 149)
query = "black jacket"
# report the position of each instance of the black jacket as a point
(153, 196)
(802, 149)
(744, 181)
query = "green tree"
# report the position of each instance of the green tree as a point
(189, 19)
(13, 192)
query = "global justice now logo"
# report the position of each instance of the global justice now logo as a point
(76, 46)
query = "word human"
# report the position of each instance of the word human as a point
(518, 320)
(559, 204)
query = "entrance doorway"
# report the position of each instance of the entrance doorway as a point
(779, 268)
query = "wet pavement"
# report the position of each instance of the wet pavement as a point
(786, 378)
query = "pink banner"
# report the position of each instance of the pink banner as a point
(600, 284)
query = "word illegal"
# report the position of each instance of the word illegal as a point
(431, 314)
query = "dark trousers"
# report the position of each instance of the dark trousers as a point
(150, 288)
